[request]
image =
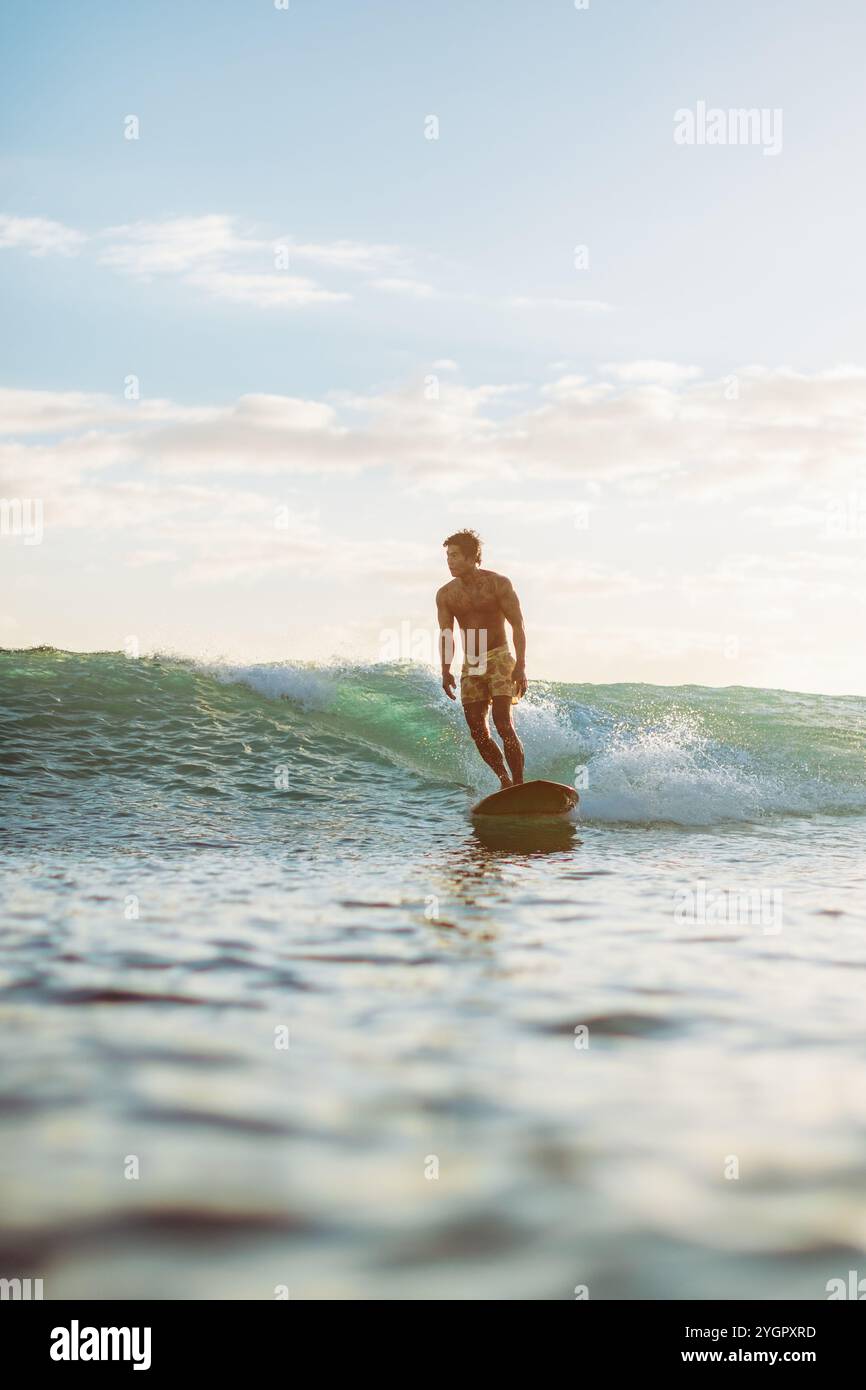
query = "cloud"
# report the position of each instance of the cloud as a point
(684, 442)
(215, 254)
(665, 373)
(50, 412)
(209, 534)
(350, 255)
(40, 470)
(526, 509)
(585, 306)
(212, 254)
(259, 434)
(589, 579)
(265, 289)
(801, 570)
(779, 585)
(176, 505)
(223, 550)
(417, 289)
(579, 428)
(227, 259)
(40, 236)
(174, 247)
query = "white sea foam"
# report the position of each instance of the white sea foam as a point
(651, 777)
(647, 763)
(309, 687)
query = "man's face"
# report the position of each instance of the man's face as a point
(458, 563)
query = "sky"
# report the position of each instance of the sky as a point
(291, 292)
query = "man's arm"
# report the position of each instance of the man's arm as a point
(445, 619)
(510, 605)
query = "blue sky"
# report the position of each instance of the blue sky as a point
(305, 129)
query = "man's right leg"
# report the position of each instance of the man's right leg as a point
(507, 732)
(476, 717)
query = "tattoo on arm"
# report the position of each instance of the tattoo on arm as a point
(445, 619)
(510, 605)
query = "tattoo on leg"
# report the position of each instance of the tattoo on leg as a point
(514, 753)
(478, 728)
(510, 742)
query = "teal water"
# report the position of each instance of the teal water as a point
(627, 1053)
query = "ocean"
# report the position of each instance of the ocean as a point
(279, 1021)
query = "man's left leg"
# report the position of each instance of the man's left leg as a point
(511, 744)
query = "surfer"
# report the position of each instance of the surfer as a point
(482, 602)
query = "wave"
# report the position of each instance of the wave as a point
(639, 754)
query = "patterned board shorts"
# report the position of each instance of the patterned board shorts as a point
(484, 679)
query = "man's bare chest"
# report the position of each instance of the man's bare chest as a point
(479, 596)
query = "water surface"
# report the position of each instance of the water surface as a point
(515, 1066)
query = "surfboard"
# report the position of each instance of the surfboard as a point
(529, 799)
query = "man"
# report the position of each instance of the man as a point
(482, 602)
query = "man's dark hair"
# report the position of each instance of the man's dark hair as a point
(469, 542)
